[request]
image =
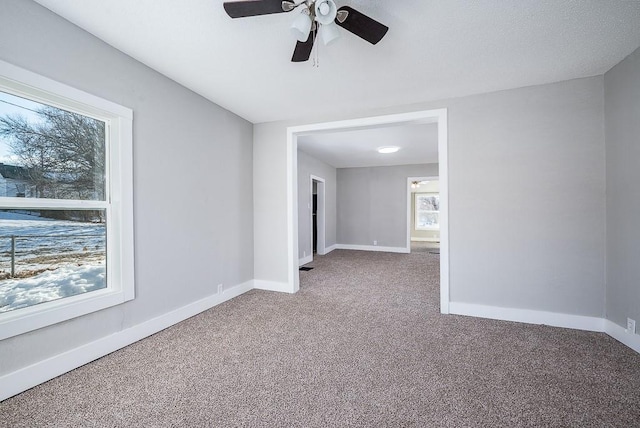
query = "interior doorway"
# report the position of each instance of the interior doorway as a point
(317, 185)
(438, 116)
(423, 213)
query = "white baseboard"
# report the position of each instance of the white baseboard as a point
(577, 322)
(30, 376)
(282, 287)
(328, 249)
(425, 239)
(372, 248)
(305, 260)
(620, 334)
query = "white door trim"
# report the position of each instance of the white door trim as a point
(438, 116)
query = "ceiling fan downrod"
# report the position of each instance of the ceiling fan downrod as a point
(288, 6)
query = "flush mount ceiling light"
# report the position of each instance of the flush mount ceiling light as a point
(387, 150)
(315, 15)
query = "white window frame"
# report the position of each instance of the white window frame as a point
(118, 201)
(418, 211)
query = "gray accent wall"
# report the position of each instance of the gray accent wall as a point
(622, 123)
(372, 204)
(193, 181)
(308, 166)
(526, 196)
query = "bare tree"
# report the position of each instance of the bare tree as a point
(63, 154)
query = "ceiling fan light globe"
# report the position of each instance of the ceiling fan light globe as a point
(326, 11)
(301, 27)
(330, 33)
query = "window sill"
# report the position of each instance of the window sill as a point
(41, 315)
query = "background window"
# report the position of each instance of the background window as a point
(427, 211)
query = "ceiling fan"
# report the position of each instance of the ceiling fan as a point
(315, 16)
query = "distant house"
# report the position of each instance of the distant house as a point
(15, 181)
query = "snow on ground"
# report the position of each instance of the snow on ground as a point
(64, 281)
(38, 241)
(9, 215)
(53, 259)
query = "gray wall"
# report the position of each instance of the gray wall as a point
(192, 179)
(526, 196)
(307, 166)
(622, 123)
(372, 203)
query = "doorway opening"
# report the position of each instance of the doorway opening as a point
(423, 214)
(438, 116)
(317, 216)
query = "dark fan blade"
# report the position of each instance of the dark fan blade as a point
(302, 52)
(241, 9)
(362, 26)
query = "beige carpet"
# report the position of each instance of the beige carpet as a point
(361, 345)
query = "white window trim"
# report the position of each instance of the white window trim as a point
(418, 211)
(119, 202)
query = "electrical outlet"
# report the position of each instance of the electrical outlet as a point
(304, 254)
(220, 289)
(631, 326)
(375, 242)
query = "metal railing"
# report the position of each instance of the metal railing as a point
(80, 240)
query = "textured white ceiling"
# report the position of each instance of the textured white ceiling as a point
(344, 149)
(435, 49)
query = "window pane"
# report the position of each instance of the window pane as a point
(428, 202)
(47, 152)
(428, 220)
(47, 255)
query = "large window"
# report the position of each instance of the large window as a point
(427, 211)
(66, 220)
